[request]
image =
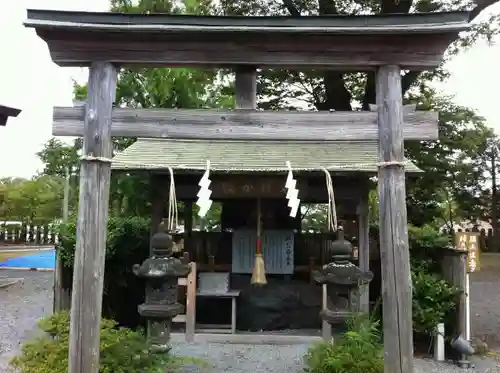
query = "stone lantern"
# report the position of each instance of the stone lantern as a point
(161, 272)
(343, 280)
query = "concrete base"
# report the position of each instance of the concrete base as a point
(27, 269)
(249, 338)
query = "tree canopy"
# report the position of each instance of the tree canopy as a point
(35, 201)
(457, 168)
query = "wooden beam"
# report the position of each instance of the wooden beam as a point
(320, 47)
(92, 223)
(394, 250)
(246, 88)
(364, 247)
(246, 124)
(308, 194)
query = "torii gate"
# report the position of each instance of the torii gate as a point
(6, 112)
(103, 41)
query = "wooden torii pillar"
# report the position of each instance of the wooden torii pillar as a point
(90, 252)
(386, 44)
(393, 224)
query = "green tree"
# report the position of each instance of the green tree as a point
(158, 88)
(7, 208)
(59, 158)
(445, 162)
(449, 162)
(453, 170)
(35, 201)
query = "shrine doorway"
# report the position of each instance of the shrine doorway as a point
(277, 234)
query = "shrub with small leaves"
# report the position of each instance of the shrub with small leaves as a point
(434, 300)
(359, 350)
(122, 350)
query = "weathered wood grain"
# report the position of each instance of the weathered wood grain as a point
(355, 52)
(91, 232)
(246, 124)
(394, 250)
(246, 88)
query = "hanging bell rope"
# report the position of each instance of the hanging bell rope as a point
(173, 212)
(332, 208)
(259, 268)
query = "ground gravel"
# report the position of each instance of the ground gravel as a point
(485, 301)
(22, 305)
(236, 358)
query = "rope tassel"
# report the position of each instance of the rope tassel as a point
(259, 268)
(173, 212)
(332, 208)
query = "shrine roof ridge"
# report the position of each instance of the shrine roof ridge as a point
(342, 24)
(255, 156)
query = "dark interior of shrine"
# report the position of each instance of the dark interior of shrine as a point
(291, 301)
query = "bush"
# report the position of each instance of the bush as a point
(127, 239)
(428, 245)
(434, 301)
(359, 350)
(121, 350)
(127, 244)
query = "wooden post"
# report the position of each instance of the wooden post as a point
(246, 88)
(159, 199)
(188, 227)
(326, 328)
(65, 213)
(91, 232)
(455, 271)
(62, 297)
(394, 251)
(191, 303)
(364, 248)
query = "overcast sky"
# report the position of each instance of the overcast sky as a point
(31, 82)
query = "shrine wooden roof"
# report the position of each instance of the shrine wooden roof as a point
(414, 41)
(6, 112)
(251, 156)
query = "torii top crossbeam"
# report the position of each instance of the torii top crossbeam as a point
(412, 41)
(6, 112)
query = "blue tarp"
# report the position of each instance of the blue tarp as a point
(43, 259)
